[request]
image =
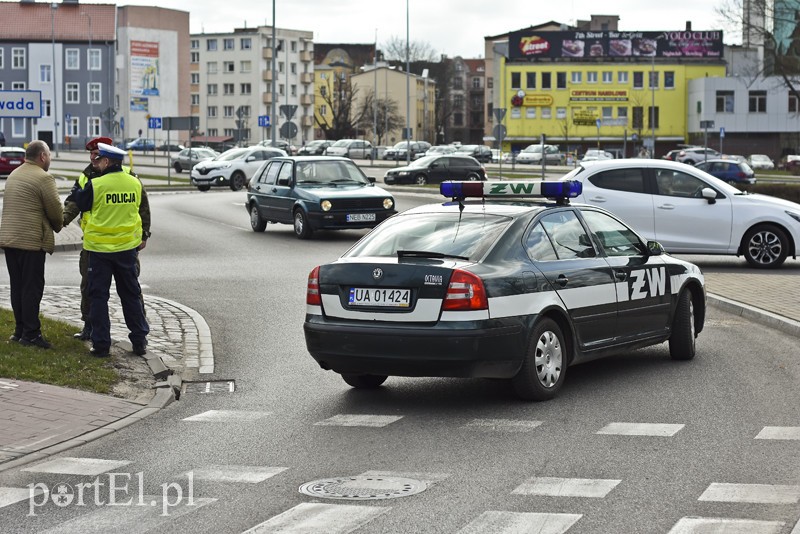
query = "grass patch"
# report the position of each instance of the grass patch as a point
(68, 363)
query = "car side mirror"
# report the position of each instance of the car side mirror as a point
(371, 179)
(250, 158)
(709, 194)
(654, 248)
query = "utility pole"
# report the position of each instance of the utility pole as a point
(273, 117)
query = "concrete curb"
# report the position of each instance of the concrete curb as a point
(767, 318)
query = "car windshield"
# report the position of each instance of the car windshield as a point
(423, 161)
(402, 144)
(466, 148)
(234, 153)
(468, 235)
(533, 148)
(330, 172)
(342, 142)
(759, 157)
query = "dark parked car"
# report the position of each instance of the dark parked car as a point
(10, 158)
(316, 192)
(141, 144)
(314, 148)
(479, 152)
(735, 172)
(286, 146)
(436, 169)
(398, 151)
(189, 157)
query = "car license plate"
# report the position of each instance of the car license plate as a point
(360, 217)
(15, 162)
(390, 298)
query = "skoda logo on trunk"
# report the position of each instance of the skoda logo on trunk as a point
(377, 274)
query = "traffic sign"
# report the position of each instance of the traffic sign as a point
(288, 130)
(263, 121)
(288, 111)
(499, 132)
(722, 133)
(67, 117)
(154, 123)
(499, 113)
(122, 123)
(597, 123)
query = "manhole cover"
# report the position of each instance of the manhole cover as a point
(363, 488)
(212, 386)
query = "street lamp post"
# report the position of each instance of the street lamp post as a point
(53, 8)
(408, 92)
(89, 65)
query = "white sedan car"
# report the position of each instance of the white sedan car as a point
(760, 161)
(689, 211)
(233, 168)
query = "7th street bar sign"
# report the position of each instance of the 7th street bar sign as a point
(20, 104)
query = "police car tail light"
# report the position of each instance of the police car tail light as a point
(312, 291)
(465, 292)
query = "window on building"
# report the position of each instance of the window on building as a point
(95, 59)
(547, 82)
(211, 111)
(293, 90)
(245, 111)
(561, 80)
(490, 83)
(591, 77)
(211, 67)
(622, 112)
(516, 113)
(638, 80)
(293, 68)
(323, 110)
(515, 80)
(725, 102)
(652, 117)
(323, 91)
(95, 90)
(476, 83)
(211, 45)
(638, 117)
(194, 57)
(227, 111)
(2, 58)
(18, 58)
(530, 113)
(459, 66)
(293, 46)
(561, 113)
(93, 126)
(228, 43)
(211, 89)
(195, 77)
(228, 88)
(72, 127)
(47, 108)
(608, 76)
(793, 104)
(669, 79)
(577, 76)
(458, 119)
(458, 82)
(281, 89)
(245, 88)
(18, 86)
(653, 79)
(73, 95)
(476, 102)
(757, 102)
(194, 44)
(547, 113)
(228, 67)
(458, 101)
(195, 99)
(280, 66)
(607, 112)
(622, 77)
(45, 73)
(530, 80)
(72, 59)
(18, 128)
(246, 43)
(213, 132)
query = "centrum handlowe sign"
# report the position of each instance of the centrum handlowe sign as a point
(20, 104)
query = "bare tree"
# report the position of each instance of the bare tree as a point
(387, 115)
(395, 50)
(338, 94)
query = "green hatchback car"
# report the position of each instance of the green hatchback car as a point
(314, 193)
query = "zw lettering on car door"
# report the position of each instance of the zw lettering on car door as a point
(642, 281)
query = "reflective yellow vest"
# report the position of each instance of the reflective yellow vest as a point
(114, 224)
(82, 181)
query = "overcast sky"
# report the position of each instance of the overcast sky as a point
(452, 27)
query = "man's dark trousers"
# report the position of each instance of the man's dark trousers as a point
(26, 276)
(122, 266)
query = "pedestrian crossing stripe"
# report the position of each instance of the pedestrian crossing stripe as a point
(359, 420)
(640, 429)
(502, 425)
(249, 474)
(319, 517)
(77, 466)
(498, 522)
(567, 487)
(227, 416)
(704, 525)
(779, 432)
(751, 493)
(10, 496)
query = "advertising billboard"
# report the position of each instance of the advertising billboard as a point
(144, 69)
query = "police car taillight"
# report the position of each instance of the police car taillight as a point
(517, 189)
(312, 291)
(465, 292)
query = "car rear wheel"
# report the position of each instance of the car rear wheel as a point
(301, 227)
(472, 177)
(364, 381)
(237, 181)
(420, 179)
(682, 339)
(178, 167)
(545, 365)
(203, 187)
(256, 222)
(765, 246)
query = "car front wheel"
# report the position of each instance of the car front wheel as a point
(178, 167)
(682, 339)
(203, 187)
(237, 181)
(301, 227)
(420, 179)
(472, 177)
(765, 246)
(545, 366)
(364, 381)
(256, 222)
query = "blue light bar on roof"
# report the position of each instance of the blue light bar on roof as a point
(516, 189)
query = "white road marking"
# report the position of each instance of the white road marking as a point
(640, 429)
(319, 517)
(567, 487)
(13, 495)
(502, 425)
(134, 518)
(359, 420)
(227, 416)
(520, 523)
(250, 474)
(427, 478)
(752, 493)
(715, 525)
(76, 466)
(779, 432)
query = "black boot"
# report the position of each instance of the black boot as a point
(85, 334)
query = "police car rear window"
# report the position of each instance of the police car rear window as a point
(468, 235)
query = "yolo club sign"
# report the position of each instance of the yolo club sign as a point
(20, 104)
(619, 46)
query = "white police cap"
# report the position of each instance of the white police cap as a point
(110, 152)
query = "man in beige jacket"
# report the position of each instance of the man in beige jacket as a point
(32, 211)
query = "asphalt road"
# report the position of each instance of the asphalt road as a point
(486, 457)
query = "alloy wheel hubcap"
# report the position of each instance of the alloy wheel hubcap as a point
(548, 359)
(765, 247)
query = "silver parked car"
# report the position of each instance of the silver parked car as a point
(189, 157)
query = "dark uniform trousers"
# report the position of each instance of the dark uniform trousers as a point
(26, 275)
(123, 267)
(83, 267)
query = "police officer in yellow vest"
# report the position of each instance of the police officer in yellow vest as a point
(113, 236)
